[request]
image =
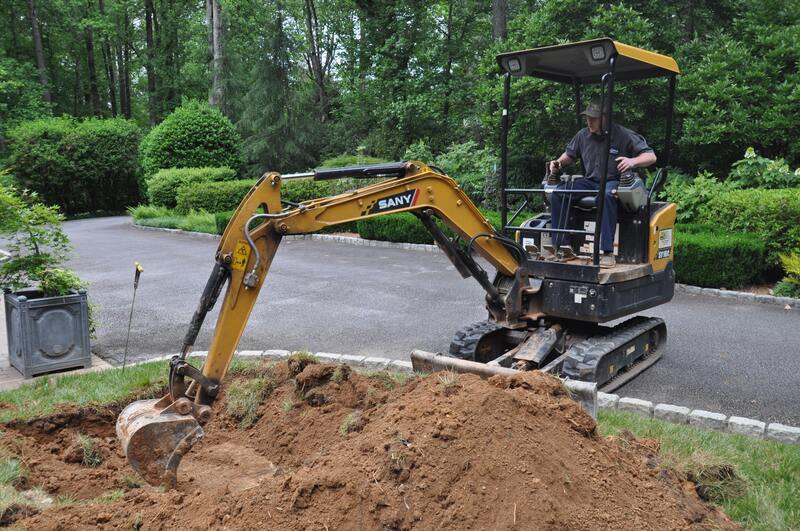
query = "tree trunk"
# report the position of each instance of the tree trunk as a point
(149, 66)
(314, 58)
(37, 45)
(499, 19)
(94, 93)
(125, 74)
(108, 63)
(12, 28)
(214, 14)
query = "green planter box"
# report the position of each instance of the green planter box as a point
(47, 333)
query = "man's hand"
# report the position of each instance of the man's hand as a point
(625, 164)
(555, 167)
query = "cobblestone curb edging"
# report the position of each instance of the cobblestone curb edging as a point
(738, 295)
(352, 240)
(701, 419)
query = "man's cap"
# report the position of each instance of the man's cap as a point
(593, 109)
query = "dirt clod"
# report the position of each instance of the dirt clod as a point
(435, 453)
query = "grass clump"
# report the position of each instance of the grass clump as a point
(131, 481)
(141, 212)
(303, 356)
(91, 455)
(756, 482)
(389, 380)
(352, 422)
(287, 404)
(110, 496)
(447, 380)
(245, 395)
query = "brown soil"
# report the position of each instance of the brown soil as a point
(436, 453)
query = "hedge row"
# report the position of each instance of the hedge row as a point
(162, 187)
(771, 215)
(221, 219)
(213, 196)
(82, 167)
(715, 259)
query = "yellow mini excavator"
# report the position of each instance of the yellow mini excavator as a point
(544, 312)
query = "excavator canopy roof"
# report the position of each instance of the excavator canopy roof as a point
(586, 62)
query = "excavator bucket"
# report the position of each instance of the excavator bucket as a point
(155, 435)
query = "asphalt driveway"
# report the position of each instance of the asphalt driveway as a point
(723, 355)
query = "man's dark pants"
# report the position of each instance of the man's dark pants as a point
(558, 207)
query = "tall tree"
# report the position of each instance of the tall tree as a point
(108, 63)
(37, 45)
(94, 93)
(499, 19)
(152, 105)
(214, 18)
(321, 46)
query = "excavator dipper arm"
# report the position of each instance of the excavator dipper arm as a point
(156, 434)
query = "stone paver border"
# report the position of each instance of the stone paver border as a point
(352, 240)
(702, 419)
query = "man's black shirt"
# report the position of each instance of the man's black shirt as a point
(589, 148)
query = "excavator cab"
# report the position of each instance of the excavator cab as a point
(542, 314)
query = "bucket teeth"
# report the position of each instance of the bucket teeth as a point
(155, 438)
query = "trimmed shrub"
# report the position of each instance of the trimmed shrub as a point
(212, 196)
(400, 227)
(717, 260)
(82, 167)
(771, 215)
(195, 135)
(162, 187)
(300, 190)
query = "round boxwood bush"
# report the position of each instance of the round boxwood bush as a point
(195, 135)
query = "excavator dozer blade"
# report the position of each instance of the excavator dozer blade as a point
(155, 435)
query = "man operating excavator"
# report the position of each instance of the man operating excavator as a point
(629, 150)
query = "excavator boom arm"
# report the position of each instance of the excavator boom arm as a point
(155, 435)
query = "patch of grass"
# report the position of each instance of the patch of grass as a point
(132, 481)
(447, 379)
(756, 482)
(287, 405)
(43, 395)
(338, 375)
(303, 356)
(201, 221)
(109, 497)
(388, 379)
(244, 395)
(148, 212)
(11, 471)
(352, 422)
(92, 457)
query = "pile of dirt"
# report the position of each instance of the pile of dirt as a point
(334, 449)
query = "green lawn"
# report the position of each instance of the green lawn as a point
(756, 482)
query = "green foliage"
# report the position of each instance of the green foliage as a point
(20, 93)
(36, 241)
(771, 215)
(243, 397)
(346, 159)
(790, 285)
(300, 190)
(148, 212)
(786, 289)
(755, 171)
(717, 260)
(162, 187)
(58, 282)
(195, 135)
(692, 197)
(82, 167)
(212, 196)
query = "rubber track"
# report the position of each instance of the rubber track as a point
(466, 340)
(584, 357)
